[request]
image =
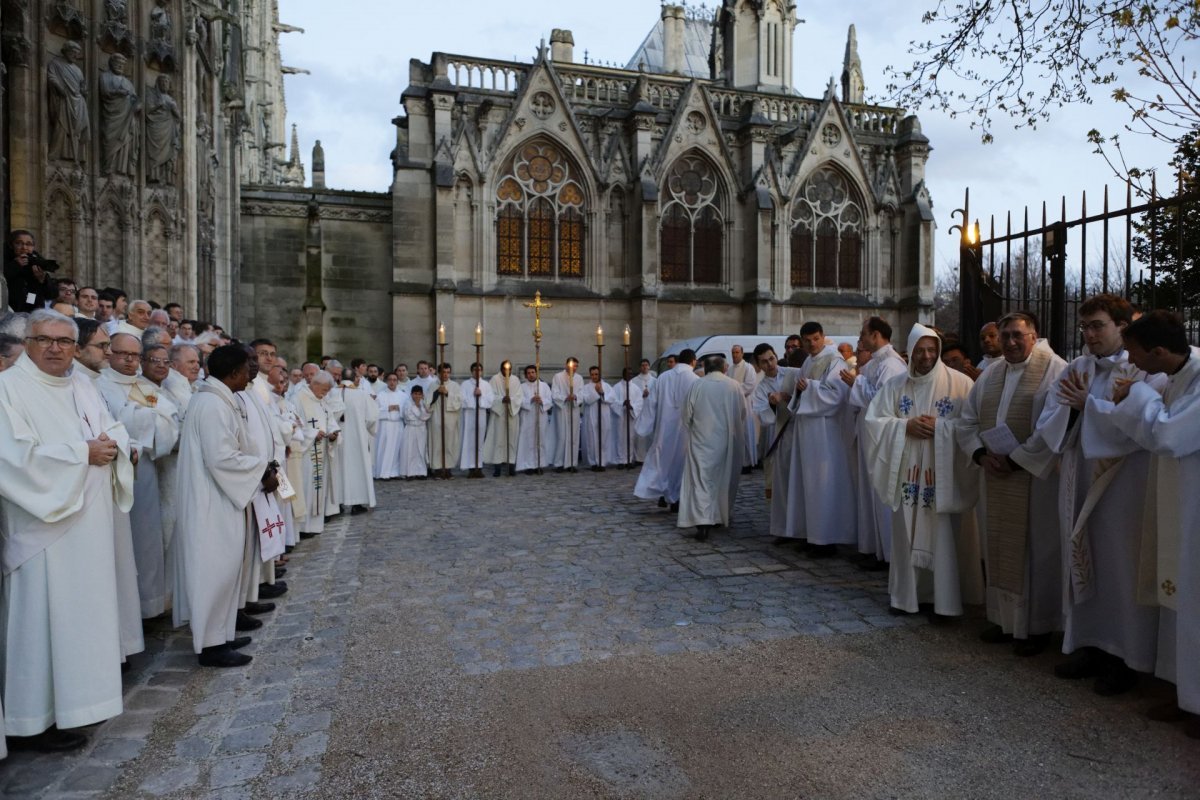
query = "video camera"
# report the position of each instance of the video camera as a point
(35, 259)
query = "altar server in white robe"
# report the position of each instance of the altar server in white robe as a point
(535, 447)
(1100, 504)
(477, 401)
(414, 443)
(504, 421)
(153, 425)
(280, 430)
(874, 517)
(597, 432)
(1169, 562)
(909, 430)
(356, 462)
(714, 416)
(819, 471)
(626, 406)
(261, 436)
(445, 402)
(156, 369)
(219, 474)
(661, 477)
(1022, 548)
(744, 373)
(91, 356)
(293, 439)
(333, 467)
(390, 428)
(565, 387)
(644, 381)
(770, 403)
(64, 470)
(322, 428)
(298, 453)
(427, 378)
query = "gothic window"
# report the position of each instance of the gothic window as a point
(691, 238)
(827, 234)
(539, 220)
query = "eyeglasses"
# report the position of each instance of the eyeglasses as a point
(161, 362)
(126, 355)
(103, 347)
(45, 341)
(1013, 336)
(1095, 326)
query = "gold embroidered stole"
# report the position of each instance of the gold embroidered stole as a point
(1008, 498)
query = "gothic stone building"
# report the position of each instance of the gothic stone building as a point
(691, 192)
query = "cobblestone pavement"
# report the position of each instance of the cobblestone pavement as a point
(554, 637)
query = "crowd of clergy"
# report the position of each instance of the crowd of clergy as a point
(146, 476)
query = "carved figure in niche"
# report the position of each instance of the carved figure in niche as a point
(163, 123)
(120, 108)
(116, 34)
(67, 20)
(160, 48)
(67, 102)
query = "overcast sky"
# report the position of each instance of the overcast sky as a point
(358, 53)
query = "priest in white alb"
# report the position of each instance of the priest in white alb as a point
(926, 481)
(714, 417)
(477, 401)
(322, 431)
(565, 387)
(445, 401)
(64, 469)
(358, 437)
(389, 430)
(661, 477)
(535, 446)
(504, 423)
(597, 432)
(770, 404)
(744, 373)
(626, 406)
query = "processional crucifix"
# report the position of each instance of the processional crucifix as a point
(537, 305)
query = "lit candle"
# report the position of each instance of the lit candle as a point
(599, 335)
(442, 333)
(478, 333)
(625, 337)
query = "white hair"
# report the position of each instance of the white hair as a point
(334, 364)
(145, 303)
(323, 377)
(160, 316)
(15, 324)
(43, 315)
(178, 349)
(208, 337)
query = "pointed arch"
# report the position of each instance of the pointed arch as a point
(541, 208)
(828, 229)
(692, 215)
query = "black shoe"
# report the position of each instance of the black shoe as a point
(512, 470)
(259, 608)
(270, 591)
(821, 550)
(358, 510)
(746, 470)
(238, 643)
(560, 469)
(939, 619)
(1192, 729)
(1034, 645)
(994, 634)
(308, 534)
(898, 612)
(780, 541)
(329, 518)
(222, 656)
(572, 469)
(245, 622)
(662, 502)
(702, 532)
(1086, 662)
(496, 471)
(1115, 679)
(674, 508)
(1166, 712)
(51, 740)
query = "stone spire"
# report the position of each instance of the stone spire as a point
(852, 74)
(293, 171)
(318, 166)
(294, 160)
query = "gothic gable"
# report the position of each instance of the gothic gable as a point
(693, 127)
(831, 140)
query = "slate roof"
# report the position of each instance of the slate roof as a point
(697, 40)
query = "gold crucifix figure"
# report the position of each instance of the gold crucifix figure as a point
(537, 305)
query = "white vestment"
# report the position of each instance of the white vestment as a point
(624, 421)
(60, 645)
(874, 517)
(1100, 504)
(152, 421)
(1169, 569)
(218, 477)
(819, 470)
(929, 485)
(414, 443)
(747, 379)
(388, 432)
(662, 474)
(597, 431)
(567, 420)
(469, 458)
(504, 421)
(776, 432)
(1037, 608)
(644, 385)
(443, 449)
(714, 416)
(317, 418)
(356, 464)
(535, 446)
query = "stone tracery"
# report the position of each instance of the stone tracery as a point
(539, 220)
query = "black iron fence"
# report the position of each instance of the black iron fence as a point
(1148, 252)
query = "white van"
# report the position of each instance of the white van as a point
(722, 345)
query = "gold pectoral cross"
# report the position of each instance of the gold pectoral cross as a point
(1168, 587)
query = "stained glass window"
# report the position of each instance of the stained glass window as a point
(540, 218)
(827, 234)
(691, 239)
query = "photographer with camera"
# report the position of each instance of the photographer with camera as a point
(26, 274)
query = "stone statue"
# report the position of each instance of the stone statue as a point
(120, 109)
(67, 103)
(163, 123)
(161, 50)
(116, 33)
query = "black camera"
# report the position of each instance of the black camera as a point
(44, 264)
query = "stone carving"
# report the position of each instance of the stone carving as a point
(830, 135)
(542, 105)
(17, 48)
(696, 122)
(163, 123)
(67, 103)
(160, 49)
(67, 20)
(115, 35)
(120, 109)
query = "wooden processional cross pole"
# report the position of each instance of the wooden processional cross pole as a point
(599, 465)
(537, 305)
(441, 340)
(627, 411)
(477, 470)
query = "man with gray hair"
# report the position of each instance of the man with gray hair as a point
(321, 428)
(11, 349)
(714, 416)
(137, 319)
(183, 375)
